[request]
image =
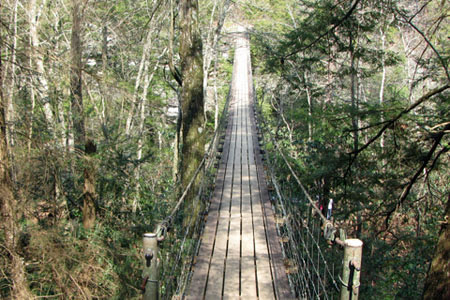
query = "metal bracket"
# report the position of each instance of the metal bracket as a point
(148, 258)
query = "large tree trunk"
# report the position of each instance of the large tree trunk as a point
(9, 207)
(85, 147)
(354, 94)
(437, 284)
(192, 106)
(76, 79)
(9, 117)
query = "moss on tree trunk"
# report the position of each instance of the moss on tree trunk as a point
(192, 106)
(437, 284)
(193, 136)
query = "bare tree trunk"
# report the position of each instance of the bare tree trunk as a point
(85, 147)
(143, 101)
(207, 56)
(310, 109)
(177, 76)
(9, 117)
(62, 125)
(144, 59)
(176, 148)
(383, 80)
(33, 104)
(409, 62)
(104, 93)
(32, 97)
(104, 49)
(353, 94)
(137, 85)
(76, 78)
(216, 99)
(10, 209)
(355, 118)
(212, 41)
(41, 81)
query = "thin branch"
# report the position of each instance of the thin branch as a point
(444, 65)
(347, 15)
(366, 127)
(442, 151)
(392, 121)
(408, 188)
(419, 11)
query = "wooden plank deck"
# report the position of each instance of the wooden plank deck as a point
(240, 256)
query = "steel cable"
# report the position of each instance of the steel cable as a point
(313, 269)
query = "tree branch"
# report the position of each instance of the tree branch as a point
(444, 65)
(392, 121)
(347, 15)
(429, 156)
(175, 72)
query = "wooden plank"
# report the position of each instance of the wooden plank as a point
(231, 282)
(201, 268)
(215, 277)
(264, 277)
(281, 284)
(248, 277)
(240, 256)
(248, 267)
(232, 271)
(215, 286)
(262, 258)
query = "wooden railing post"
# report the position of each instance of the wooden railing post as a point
(150, 275)
(351, 269)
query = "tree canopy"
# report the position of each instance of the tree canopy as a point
(106, 108)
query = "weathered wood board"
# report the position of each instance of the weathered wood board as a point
(240, 256)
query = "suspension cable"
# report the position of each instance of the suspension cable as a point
(164, 225)
(177, 265)
(315, 267)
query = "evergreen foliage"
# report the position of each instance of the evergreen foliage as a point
(338, 83)
(356, 92)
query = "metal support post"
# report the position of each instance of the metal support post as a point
(150, 277)
(351, 269)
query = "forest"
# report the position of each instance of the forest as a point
(107, 107)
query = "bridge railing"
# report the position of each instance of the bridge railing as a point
(169, 251)
(316, 269)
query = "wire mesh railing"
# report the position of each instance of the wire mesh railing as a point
(313, 264)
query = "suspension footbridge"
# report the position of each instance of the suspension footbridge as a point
(240, 254)
(242, 250)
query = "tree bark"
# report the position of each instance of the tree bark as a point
(210, 53)
(9, 206)
(437, 284)
(76, 79)
(89, 191)
(192, 106)
(41, 80)
(85, 147)
(143, 68)
(143, 115)
(383, 80)
(10, 118)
